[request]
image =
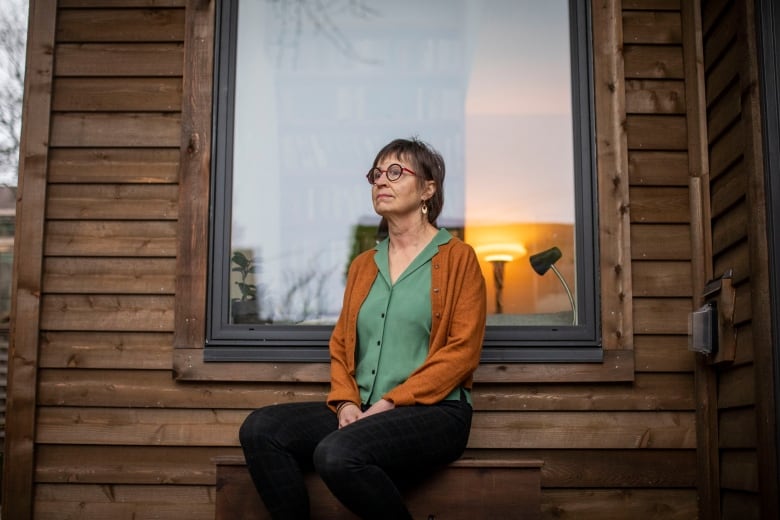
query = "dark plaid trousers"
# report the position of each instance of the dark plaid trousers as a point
(364, 464)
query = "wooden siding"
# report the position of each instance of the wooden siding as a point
(744, 408)
(118, 436)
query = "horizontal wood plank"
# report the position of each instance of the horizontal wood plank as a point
(653, 62)
(647, 392)
(662, 354)
(194, 465)
(119, 59)
(665, 279)
(98, 464)
(98, 502)
(145, 129)
(71, 387)
(111, 350)
(120, 25)
(521, 430)
(156, 389)
(109, 238)
(109, 275)
(661, 315)
(658, 168)
(652, 5)
(655, 97)
(618, 365)
(107, 313)
(139, 427)
(652, 27)
(608, 468)
(583, 430)
(652, 132)
(646, 241)
(660, 205)
(112, 201)
(600, 504)
(114, 165)
(117, 95)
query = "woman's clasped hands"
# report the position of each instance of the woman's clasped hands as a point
(348, 412)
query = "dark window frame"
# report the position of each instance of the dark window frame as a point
(228, 342)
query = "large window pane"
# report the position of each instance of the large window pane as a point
(314, 89)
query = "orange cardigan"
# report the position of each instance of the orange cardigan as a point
(458, 313)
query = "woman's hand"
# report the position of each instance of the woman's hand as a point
(380, 406)
(348, 414)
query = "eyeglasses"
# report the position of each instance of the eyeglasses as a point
(393, 173)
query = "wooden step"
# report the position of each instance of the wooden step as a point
(466, 489)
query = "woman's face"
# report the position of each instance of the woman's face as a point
(403, 196)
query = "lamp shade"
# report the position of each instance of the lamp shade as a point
(541, 262)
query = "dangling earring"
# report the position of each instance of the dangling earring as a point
(424, 207)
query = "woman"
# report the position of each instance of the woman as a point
(403, 353)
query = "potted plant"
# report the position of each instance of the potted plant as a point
(245, 309)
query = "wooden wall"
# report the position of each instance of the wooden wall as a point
(116, 435)
(744, 404)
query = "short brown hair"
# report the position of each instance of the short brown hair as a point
(428, 165)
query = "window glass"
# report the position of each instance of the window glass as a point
(322, 86)
(309, 91)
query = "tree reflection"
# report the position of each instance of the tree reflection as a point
(319, 16)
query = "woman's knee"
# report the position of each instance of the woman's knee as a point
(255, 426)
(332, 458)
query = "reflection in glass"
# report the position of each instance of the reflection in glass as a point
(321, 87)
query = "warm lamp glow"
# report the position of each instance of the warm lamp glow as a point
(498, 255)
(501, 252)
(499, 258)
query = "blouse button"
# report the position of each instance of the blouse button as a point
(378, 343)
(382, 315)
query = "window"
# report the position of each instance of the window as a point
(307, 92)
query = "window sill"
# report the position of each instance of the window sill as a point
(616, 366)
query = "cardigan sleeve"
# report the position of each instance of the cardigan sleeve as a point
(343, 386)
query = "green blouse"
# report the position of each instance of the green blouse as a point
(394, 323)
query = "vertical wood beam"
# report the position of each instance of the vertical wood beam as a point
(705, 380)
(19, 456)
(761, 319)
(612, 165)
(194, 174)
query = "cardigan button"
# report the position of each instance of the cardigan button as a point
(436, 289)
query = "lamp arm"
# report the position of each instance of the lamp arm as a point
(568, 293)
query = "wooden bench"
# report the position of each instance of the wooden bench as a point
(468, 489)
